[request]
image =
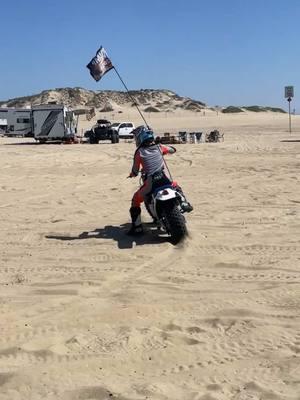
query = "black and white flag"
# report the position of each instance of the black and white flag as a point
(100, 64)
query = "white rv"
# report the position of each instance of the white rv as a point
(16, 121)
(19, 122)
(3, 120)
(53, 122)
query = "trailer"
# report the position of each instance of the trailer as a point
(53, 122)
(3, 120)
(16, 121)
(19, 122)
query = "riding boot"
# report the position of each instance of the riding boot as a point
(136, 223)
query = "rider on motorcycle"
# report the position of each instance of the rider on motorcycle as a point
(149, 156)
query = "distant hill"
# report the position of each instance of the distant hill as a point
(160, 100)
(149, 100)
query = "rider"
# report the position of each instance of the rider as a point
(149, 156)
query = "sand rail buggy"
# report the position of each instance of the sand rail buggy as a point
(102, 131)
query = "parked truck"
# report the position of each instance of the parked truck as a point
(53, 122)
(124, 129)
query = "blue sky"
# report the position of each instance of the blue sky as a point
(226, 52)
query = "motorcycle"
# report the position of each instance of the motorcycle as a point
(166, 204)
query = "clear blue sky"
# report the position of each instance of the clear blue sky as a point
(224, 52)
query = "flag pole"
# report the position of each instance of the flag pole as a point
(132, 98)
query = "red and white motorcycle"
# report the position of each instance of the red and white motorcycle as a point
(166, 204)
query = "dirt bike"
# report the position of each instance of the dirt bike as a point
(166, 204)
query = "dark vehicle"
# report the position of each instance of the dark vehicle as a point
(102, 131)
(214, 136)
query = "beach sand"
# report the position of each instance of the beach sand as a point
(89, 313)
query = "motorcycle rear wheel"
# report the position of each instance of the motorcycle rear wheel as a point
(175, 223)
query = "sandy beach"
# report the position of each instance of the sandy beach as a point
(87, 312)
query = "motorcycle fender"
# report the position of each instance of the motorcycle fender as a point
(161, 198)
(165, 194)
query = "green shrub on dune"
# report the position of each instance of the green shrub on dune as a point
(254, 108)
(232, 109)
(263, 109)
(276, 109)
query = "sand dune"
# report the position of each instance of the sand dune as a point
(89, 313)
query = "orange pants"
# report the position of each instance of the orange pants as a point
(139, 195)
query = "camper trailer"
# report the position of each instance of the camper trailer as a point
(53, 122)
(16, 121)
(3, 120)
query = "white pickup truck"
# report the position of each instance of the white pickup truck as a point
(124, 129)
